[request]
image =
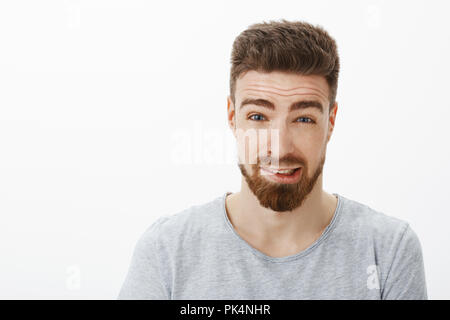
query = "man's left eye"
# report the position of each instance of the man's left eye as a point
(308, 120)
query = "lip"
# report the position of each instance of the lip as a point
(279, 178)
(279, 169)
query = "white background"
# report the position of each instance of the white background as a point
(95, 97)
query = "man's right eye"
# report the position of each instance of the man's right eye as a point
(256, 117)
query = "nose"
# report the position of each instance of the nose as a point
(281, 142)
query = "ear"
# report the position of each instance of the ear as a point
(331, 120)
(231, 115)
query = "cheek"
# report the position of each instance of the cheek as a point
(310, 146)
(247, 146)
(312, 138)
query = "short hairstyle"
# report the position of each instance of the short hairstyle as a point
(296, 47)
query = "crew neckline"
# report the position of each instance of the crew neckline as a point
(295, 256)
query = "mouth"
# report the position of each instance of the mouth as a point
(285, 175)
(284, 171)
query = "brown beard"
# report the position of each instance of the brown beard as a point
(280, 197)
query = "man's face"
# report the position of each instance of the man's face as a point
(281, 121)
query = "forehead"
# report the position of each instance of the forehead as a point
(278, 84)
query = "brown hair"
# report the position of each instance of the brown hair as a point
(297, 47)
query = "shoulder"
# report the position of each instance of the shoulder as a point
(386, 235)
(365, 221)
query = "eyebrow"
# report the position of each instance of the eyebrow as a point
(303, 104)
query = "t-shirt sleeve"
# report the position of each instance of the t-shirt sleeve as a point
(406, 276)
(143, 280)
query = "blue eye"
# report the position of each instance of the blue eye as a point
(260, 117)
(310, 120)
(256, 115)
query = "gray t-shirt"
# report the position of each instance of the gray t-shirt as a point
(197, 254)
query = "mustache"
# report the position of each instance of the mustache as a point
(286, 161)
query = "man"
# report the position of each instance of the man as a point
(281, 236)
